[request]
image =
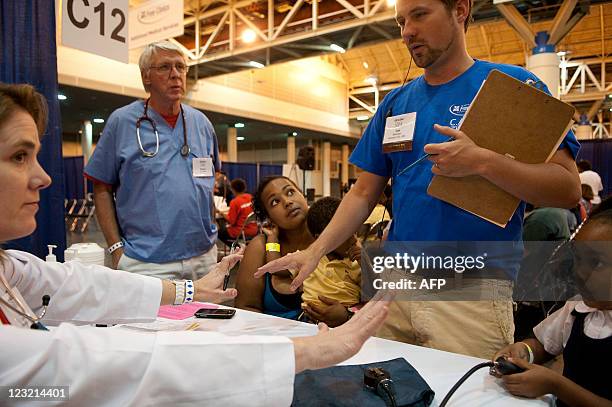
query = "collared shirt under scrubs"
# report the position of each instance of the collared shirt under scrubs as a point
(164, 212)
(418, 216)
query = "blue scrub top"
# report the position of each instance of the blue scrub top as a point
(418, 216)
(164, 213)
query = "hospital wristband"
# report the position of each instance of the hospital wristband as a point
(273, 247)
(189, 291)
(114, 247)
(529, 350)
(179, 295)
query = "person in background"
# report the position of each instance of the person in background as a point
(120, 367)
(153, 174)
(279, 204)
(546, 224)
(581, 331)
(223, 187)
(239, 210)
(591, 178)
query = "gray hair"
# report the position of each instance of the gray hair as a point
(151, 49)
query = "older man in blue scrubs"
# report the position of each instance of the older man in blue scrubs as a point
(153, 172)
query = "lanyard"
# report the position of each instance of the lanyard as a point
(24, 310)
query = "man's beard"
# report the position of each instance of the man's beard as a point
(431, 55)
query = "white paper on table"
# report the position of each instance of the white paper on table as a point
(162, 325)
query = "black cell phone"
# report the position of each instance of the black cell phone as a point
(215, 313)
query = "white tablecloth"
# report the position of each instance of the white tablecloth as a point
(440, 369)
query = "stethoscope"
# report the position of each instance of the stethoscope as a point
(36, 324)
(185, 150)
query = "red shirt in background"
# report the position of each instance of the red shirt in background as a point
(240, 209)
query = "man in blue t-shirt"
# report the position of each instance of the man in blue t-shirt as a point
(434, 32)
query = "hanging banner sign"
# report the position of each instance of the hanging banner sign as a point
(98, 27)
(156, 20)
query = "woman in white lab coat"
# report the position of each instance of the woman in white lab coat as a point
(109, 366)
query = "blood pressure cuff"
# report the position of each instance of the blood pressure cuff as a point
(342, 386)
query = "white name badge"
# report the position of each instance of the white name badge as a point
(399, 132)
(202, 167)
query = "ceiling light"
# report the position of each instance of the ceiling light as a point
(239, 125)
(256, 64)
(337, 48)
(240, 138)
(98, 120)
(294, 133)
(363, 118)
(390, 3)
(372, 80)
(248, 36)
(61, 97)
(365, 65)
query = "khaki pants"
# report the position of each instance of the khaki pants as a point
(474, 328)
(190, 269)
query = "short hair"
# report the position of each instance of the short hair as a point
(321, 213)
(451, 4)
(24, 97)
(239, 185)
(584, 165)
(257, 203)
(144, 62)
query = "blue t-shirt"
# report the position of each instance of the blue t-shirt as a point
(418, 216)
(164, 212)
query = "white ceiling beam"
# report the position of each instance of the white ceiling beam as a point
(287, 39)
(287, 18)
(214, 34)
(350, 8)
(363, 104)
(250, 24)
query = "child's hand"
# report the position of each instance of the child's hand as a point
(354, 251)
(534, 382)
(517, 350)
(332, 312)
(271, 232)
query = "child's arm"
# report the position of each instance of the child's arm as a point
(537, 381)
(271, 232)
(521, 350)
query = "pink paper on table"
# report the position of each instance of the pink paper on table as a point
(182, 311)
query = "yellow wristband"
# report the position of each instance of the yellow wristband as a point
(530, 352)
(273, 247)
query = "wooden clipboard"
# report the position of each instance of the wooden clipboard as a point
(511, 118)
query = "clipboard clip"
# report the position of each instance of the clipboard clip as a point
(539, 85)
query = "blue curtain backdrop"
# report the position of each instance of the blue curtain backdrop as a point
(599, 153)
(251, 173)
(28, 55)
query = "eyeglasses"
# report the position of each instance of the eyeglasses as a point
(166, 68)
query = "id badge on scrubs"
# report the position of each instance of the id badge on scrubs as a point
(399, 132)
(202, 167)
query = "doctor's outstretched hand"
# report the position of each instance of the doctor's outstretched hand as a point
(332, 346)
(210, 287)
(300, 264)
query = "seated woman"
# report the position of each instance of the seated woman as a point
(239, 210)
(279, 202)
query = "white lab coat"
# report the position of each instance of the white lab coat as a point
(117, 367)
